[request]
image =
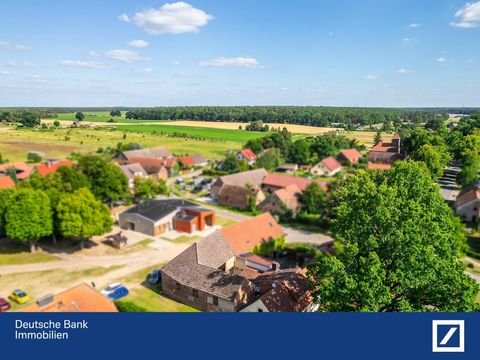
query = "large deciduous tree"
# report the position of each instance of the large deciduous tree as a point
(435, 157)
(399, 247)
(81, 216)
(28, 217)
(107, 182)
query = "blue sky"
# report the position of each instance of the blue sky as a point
(240, 52)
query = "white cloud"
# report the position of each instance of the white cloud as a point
(124, 18)
(20, 64)
(175, 18)
(84, 64)
(144, 71)
(370, 77)
(414, 25)
(469, 61)
(4, 72)
(5, 45)
(39, 79)
(126, 56)
(247, 62)
(138, 43)
(441, 59)
(403, 71)
(94, 53)
(468, 15)
(407, 40)
(176, 62)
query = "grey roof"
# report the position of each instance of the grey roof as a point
(213, 251)
(186, 270)
(154, 153)
(130, 170)
(157, 209)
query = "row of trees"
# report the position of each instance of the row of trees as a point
(28, 118)
(303, 115)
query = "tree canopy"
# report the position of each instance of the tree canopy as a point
(399, 247)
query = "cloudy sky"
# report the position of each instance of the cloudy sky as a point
(240, 52)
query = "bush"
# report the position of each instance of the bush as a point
(128, 306)
(268, 247)
(33, 158)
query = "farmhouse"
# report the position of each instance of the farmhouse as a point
(160, 169)
(235, 190)
(81, 298)
(287, 168)
(248, 155)
(133, 171)
(209, 275)
(20, 170)
(155, 217)
(283, 200)
(282, 291)
(327, 167)
(386, 153)
(151, 153)
(51, 166)
(349, 157)
(274, 182)
(467, 204)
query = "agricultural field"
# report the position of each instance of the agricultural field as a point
(98, 116)
(59, 143)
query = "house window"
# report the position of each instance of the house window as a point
(178, 286)
(215, 301)
(195, 293)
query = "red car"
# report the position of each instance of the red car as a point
(4, 305)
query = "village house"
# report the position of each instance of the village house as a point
(192, 161)
(155, 217)
(159, 169)
(51, 166)
(282, 291)
(327, 167)
(20, 170)
(349, 157)
(274, 182)
(211, 274)
(248, 155)
(235, 190)
(81, 298)
(150, 153)
(287, 168)
(283, 200)
(133, 171)
(386, 152)
(467, 204)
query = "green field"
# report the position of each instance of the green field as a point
(200, 132)
(60, 143)
(99, 116)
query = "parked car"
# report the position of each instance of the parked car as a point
(197, 189)
(154, 277)
(19, 296)
(180, 181)
(4, 305)
(115, 291)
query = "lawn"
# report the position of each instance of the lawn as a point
(17, 254)
(59, 143)
(129, 248)
(220, 135)
(224, 221)
(184, 239)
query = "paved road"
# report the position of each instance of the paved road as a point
(448, 183)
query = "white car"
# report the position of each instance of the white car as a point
(111, 288)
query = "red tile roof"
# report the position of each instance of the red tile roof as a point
(372, 166)
(468, 195)
(248, 154)
(6, 182)
(49, 168)
(331, 163)
(396, 136)
(81, 298)
(352, 155)
(384, 147)
(186, 161)
(243, 236)
(282, 181)
(23, 170)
